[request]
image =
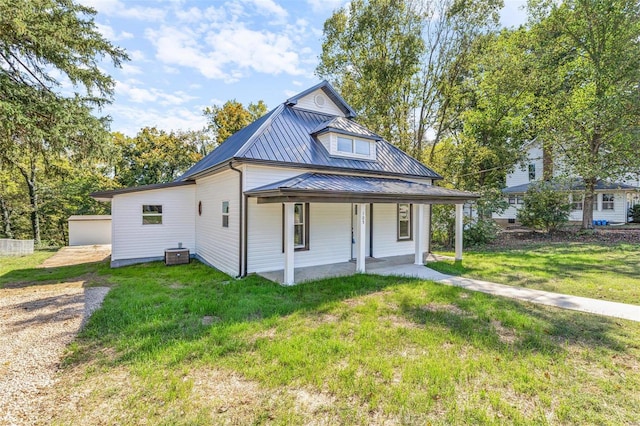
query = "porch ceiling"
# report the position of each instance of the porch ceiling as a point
(332, 188)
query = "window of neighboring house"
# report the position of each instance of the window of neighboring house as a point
(532, 171)
(520, 199)
(300, 226)
(225, 214)
(595, 202)
(512, 199)
(151, 214)
(354, 146)
(576, 202)
(404, 221)
(511, 220)
(607, 201)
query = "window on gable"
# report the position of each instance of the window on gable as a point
(353, 146)
(608, 201)
(225, 214)
(404, 221)
(532, 172)
(151, 214)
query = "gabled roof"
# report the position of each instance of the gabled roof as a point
(331, 94)
(574, 185)
(284, 137)
(330, 187)
(345, 126)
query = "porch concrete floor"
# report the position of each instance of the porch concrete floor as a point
(380, 265)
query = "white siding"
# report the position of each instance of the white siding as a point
(216, 244)
(132, 240)
(89, 230)
(329, 236)
(308, 102)
(520, 175)
(256, 176)
(385, 232)
(618, 214)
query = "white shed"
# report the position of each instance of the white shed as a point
(89, 230)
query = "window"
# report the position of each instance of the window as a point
(225, 214)
(512, 199)
(404, 221)
(595, 202)
(511, 220)
(607, 201)
(532, 171)
(520, 199)
(300, 227)
(576, 202)
(354, 146)
(151, 215)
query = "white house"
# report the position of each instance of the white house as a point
(613, 199)
(303, 185)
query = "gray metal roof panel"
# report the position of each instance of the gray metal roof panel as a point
(574, 185)
(345, 125)
(327, 182)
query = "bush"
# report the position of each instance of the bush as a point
(480, 232)
(634, 212)
(443, 224)
(545, 207)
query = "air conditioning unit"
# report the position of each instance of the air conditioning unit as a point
(176, 256)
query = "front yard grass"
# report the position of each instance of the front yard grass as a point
(609, 272)
(190, 345)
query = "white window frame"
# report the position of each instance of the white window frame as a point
(299, 221)
(353, 144)
(609, 204)
(532, 170)
(225, 214)
(409, 221)
(153, 211)
(575, 203)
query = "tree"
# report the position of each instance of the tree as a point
(589, 51)
(154, 156)
(43, 120)
(371, 52)
(232, 117)
(546, 206)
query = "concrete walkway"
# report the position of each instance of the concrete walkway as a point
(565, 301)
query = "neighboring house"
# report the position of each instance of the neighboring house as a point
(303, 185)
(613, 199)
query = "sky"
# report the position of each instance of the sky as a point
(187, 55)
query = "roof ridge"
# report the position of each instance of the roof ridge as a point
(251, 139)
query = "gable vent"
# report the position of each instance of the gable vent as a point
(319, 100)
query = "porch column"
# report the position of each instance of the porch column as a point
(418, 232)
(361, 237)
(288, 244)
(427, 228)
(459, 231)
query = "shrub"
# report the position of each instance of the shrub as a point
(480, 232)
(545, 206)
(634, 212)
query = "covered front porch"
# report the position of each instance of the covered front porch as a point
(394, 265)
(414, 199)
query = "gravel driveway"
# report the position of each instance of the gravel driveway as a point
(36, 324)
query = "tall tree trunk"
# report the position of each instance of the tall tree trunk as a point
(30, 179)
(6, 218)
(587, 208)
(547, 162)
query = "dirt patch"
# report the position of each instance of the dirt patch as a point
(506, 335)
(77, 255)
(401, 322)
(519, 238)
(439, 307)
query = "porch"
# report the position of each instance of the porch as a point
(394, 265)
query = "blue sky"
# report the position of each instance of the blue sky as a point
(186, 55)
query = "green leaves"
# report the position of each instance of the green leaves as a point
(232, 117)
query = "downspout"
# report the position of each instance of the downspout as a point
(240, 221)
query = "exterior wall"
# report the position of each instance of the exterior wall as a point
(520, 175)
(385, 232)
(131, 239)
(215, 244)
(308, 102)
(89, 230)
(329, 236)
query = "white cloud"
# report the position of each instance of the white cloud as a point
(128, 69)
(110, 34)
(269, 8)
(151, 95)
(120, 9)
(319, 6)
(232, 51)
(130, 119)
(137, 55)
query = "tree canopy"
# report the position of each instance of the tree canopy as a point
(232, 116)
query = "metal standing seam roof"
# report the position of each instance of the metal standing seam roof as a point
(285, 136)
(332, 183)
(575, 185)
(344, 125)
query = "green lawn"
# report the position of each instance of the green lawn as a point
(589, 270)
(190, 345)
